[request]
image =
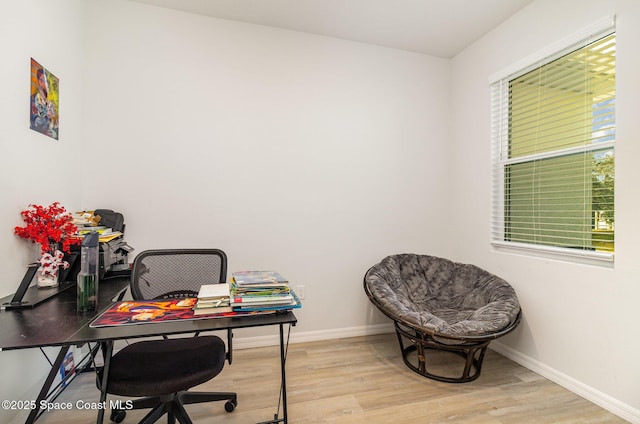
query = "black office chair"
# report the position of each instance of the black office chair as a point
(164, 370)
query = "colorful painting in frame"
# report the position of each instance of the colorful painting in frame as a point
(44, 115)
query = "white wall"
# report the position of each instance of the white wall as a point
(580, 321)
(35, 168)
(307, 154)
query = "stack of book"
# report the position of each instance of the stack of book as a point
(212, 299)
(261, 290)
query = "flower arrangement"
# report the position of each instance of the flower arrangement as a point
(50, 226)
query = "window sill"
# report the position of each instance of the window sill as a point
(601, 259)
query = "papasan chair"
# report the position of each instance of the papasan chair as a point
(437, 304)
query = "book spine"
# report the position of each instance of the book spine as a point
(262, 299)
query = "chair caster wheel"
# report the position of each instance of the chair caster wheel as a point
(230, 405)
(117, 415)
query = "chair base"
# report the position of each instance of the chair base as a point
(173, 406)
(472, 352)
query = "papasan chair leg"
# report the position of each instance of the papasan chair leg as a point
(422, 362)
(473, 361)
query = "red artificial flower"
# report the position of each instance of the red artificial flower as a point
(48, 226)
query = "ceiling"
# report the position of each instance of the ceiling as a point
(435, 27)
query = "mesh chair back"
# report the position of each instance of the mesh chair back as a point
(170, 273)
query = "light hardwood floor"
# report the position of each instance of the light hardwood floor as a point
(363, 380)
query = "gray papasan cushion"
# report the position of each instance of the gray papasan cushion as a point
(442, 297)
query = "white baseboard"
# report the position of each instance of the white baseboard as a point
(603, 400)
(312, 336)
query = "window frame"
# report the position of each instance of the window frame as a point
(499, 85)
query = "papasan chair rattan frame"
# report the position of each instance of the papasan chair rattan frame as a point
(437, 304)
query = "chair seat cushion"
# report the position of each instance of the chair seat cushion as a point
(441, 297)
(165, 366)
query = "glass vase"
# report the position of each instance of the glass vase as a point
(47, 273)
(45, 280)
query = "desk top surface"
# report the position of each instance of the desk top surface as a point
(57, 322)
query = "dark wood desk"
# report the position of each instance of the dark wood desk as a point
(57, 323)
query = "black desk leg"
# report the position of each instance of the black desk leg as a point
(283, 359)
(44, 392)
(107, 351)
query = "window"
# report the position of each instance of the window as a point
(553, 141)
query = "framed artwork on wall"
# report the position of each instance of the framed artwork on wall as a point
(44, 102)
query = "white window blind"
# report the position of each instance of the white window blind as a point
(553, 138)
